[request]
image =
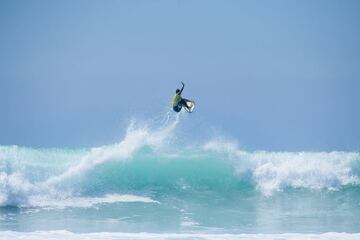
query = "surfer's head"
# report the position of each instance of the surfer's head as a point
(177, 90)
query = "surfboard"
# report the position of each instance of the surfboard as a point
(191, 105)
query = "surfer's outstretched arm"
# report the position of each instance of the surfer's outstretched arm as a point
(182, 87)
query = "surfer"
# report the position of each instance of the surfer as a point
(179, 102)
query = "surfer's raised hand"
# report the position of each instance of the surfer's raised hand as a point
(183, 85)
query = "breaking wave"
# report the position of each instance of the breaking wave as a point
(144, 162)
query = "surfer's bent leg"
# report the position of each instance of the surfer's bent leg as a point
(177, 108)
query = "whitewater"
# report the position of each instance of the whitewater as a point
(146, 186)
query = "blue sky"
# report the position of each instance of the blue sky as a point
(275, 75)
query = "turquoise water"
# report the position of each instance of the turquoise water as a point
(208, 190)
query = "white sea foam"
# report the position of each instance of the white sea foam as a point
(273, 171)
(86, 202)
(55, 235)
(14, 189)
(188, 224)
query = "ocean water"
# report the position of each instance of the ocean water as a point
(147, 187)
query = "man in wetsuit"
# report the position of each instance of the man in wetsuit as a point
(178, 101)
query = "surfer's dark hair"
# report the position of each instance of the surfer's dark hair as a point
(177, 90)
